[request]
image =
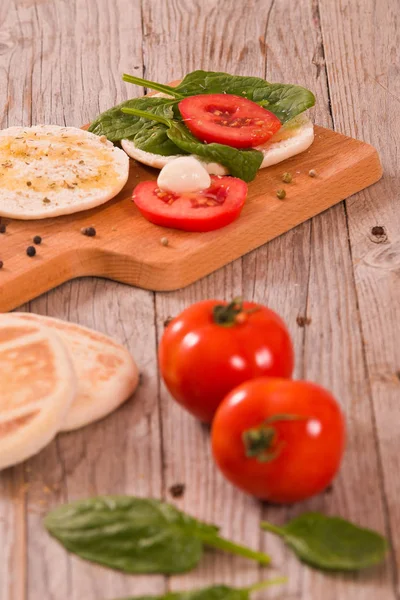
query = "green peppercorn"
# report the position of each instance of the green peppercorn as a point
(287, 178)
(281, 194)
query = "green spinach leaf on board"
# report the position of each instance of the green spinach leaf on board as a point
(147, 135)
(137, 535)
(331, 543)
(240, 163)
(216, 592)
(286, 101)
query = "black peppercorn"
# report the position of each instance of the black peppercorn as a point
(89, 231)
(3, 227)
(37, 239)
(31, 251)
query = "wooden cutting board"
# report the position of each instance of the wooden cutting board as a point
(127, 248)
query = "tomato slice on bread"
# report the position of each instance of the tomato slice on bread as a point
(228, 119)
(209, 209)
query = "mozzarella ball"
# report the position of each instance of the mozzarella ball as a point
(184, 174)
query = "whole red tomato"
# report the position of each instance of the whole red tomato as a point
(279, 440)
(213, 346)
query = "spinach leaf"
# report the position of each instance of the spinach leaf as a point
(331, 543)
(240, 163)
(286, 101)
(147, 135)
(216, 592)
(137, 535)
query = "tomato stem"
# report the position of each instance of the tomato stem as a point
(261, 442)
(165, 89)
(228, 315)
(223, 544)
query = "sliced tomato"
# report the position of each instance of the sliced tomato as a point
(209, 209)
(228, 119)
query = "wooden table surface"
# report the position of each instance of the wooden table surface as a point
(334, 281)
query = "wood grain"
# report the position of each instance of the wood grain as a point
(60, 62)
(364, 61)
(127, 247)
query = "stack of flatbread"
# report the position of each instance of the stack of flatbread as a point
(55, 376)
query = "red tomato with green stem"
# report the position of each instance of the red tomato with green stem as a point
(279, 440)
(228, 119)
(213, 346)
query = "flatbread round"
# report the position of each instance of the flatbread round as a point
(37, 387)
(107, 373)
(294, 137)
(47, 171)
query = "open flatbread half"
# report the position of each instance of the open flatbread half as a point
(37, 387)
(47, 171)
(107, 373)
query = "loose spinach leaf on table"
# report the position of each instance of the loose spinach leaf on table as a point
(240, 163)
(137, 535)
(216, 592)
(286, 101)
(331, 543)
(147, 135)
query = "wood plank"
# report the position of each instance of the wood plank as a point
(13, 575)
(74, 75)
(223, 34)
(316, 282)
(344, 167)
(362, 52)
(120, 454)
(329, 355)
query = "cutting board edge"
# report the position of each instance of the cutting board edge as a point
(151, 274)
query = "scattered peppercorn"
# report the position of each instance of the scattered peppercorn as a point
(1, 264)
(287, 178)
(303, 321)
(31, 251)
(3, 227)
(29, 183)
(37, 239)
(89, 231)
(164, 241)
(281, 194)
(312, 173)
(177, 490)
